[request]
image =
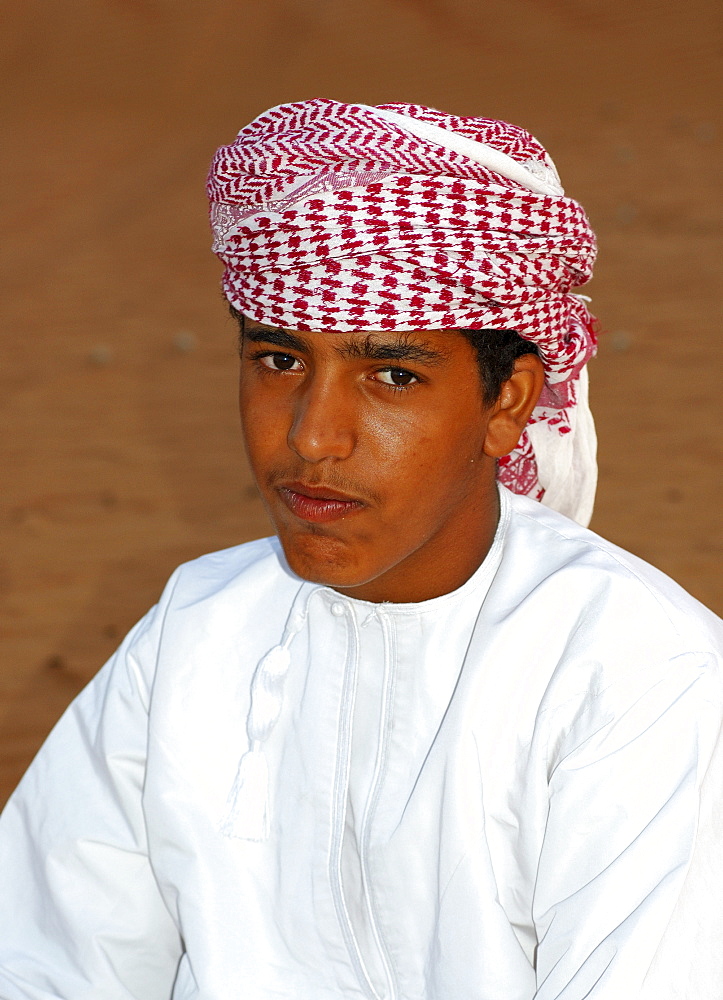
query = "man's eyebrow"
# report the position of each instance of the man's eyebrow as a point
(279, 338)
(403, 348)
(370, 348)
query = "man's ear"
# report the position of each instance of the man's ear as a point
(514, 406)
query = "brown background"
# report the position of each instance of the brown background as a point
(120, 449)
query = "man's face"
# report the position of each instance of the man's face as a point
(368, 452)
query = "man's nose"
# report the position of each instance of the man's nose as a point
(323, 424)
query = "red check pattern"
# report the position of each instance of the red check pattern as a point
(328, 217)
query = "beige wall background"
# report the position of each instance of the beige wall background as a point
(121, 455)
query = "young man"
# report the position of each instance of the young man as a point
(436, 741)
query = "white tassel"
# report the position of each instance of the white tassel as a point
(267, 692)
(247, 809)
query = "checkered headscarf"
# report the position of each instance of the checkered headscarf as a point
(332, 216)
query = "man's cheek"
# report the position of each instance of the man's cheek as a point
(263, 430)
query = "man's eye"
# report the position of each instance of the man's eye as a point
(280, 362)
(398, 377)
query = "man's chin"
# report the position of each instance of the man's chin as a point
(319, 558)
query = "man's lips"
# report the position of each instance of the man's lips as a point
(317, 503)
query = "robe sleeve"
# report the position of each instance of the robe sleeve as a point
(81, 915)
(629, 900)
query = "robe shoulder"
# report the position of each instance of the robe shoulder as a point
(553, 563)
(256, 564)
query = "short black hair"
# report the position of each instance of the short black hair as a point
(497, 351)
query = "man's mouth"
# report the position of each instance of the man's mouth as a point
(317, 503)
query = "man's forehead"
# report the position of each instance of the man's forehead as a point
(381, 335)
(427, 346)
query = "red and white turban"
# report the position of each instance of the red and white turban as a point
(332, 216)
